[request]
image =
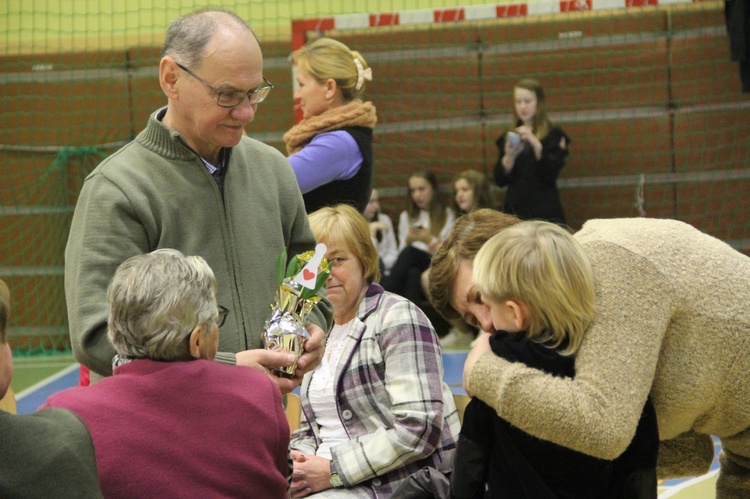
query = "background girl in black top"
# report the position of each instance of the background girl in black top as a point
(532, 154)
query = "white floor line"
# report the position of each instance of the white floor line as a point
(18, 367)
(47, 381)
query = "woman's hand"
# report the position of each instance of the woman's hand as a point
(527, 135)
(481, 346)
(314, 348)
(418, 234)
(511, 152)
(311, 474)
(377, 226)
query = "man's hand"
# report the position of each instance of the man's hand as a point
(481, 346)
(270, 361)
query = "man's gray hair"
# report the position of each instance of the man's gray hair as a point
(188, 35)
(156, 300)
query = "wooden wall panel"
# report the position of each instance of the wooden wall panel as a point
(703, 72)
(619, 147)
(701, 67)
(720, 208)
(602, 59)
(712, 140)
(67, 112)
(616, 201)
(35, 239)
(582, 78)
(420, 73)
(62, 61)
(276, 113)
(445, 152)
(696, 15)
(27, 173)
(38, 301)
(425, 88)
(411, 37)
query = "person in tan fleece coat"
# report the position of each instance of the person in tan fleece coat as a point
(672, 320)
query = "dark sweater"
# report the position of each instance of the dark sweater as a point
(515, 464)
(532, 185)
(45, 455)
(354, 191)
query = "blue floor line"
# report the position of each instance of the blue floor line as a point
(29, 400)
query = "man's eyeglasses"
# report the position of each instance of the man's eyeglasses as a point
(223, 312)
(233, 98)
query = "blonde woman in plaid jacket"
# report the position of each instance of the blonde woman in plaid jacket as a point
(376, 410)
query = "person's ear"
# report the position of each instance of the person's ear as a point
(168, 76)
(519, 314)
(331, 87)
(199, 342)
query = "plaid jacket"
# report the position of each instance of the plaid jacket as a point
(391, 398)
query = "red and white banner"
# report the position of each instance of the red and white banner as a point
(459, 14)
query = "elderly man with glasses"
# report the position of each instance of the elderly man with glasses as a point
(171, 422)
(192, 180)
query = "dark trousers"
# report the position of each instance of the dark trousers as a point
(406, 274)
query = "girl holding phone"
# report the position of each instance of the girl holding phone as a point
(531, 156)
(422, 228)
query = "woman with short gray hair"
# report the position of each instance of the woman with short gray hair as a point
(153, 322)
(149, 420)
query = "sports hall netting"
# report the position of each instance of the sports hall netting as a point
(646, 89)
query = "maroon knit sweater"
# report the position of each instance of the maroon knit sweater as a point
(185, 429)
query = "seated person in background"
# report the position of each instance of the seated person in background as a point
(541, 305)
(171, 422)
(422, 228)
(471, 191)
(330, 150)
(382, 233)
(376, 409)
(48, 454)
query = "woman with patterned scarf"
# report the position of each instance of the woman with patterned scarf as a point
(330, 150)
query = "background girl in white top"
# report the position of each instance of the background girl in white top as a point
(382, 233)
(422, 228)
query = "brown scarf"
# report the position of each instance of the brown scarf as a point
(355, 113)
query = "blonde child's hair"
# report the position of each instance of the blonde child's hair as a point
(541, 265)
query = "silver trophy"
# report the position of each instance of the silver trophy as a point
(296, 296)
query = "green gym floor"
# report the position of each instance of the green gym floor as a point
(28, 371)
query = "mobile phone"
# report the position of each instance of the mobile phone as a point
(514, 138)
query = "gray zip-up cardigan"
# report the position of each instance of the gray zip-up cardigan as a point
(155, 192)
